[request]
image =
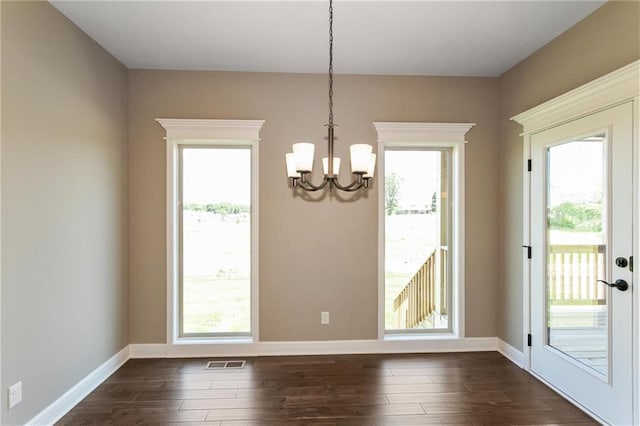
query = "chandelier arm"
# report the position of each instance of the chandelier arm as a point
(353, 186)
(308, 186)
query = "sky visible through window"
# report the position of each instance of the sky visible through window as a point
(215, 175)
(576, 171)
(419, 172)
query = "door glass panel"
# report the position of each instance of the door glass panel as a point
(576, 304)
(417, 234)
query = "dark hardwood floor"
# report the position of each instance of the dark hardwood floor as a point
(479, 388)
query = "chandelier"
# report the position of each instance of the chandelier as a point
(300, 161)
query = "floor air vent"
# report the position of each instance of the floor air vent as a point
(219, 365)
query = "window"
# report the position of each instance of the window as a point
(421, 229)
(212, 229)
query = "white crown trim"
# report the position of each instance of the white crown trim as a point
(616, 87)
(390, 132)
(186, 129)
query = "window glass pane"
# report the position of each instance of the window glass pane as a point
(216, 240)
(416, 239)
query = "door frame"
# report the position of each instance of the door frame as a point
(618, 87)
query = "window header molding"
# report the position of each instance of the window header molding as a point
(616, 87)
(186, 129)
(441, 133)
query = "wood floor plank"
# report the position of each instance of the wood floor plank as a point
(473, 388)
(530, 417)
(487, 377)
(138, 416)
(487, 407)
(284, 391)
(187, 394)
(451, 419)
(240, 384)
(330, 421)
(130, 387)
(179, 385)
(257, 413)
(232, 403)
(335, 400)
(489, 396)
(435, 371)
(88, 404)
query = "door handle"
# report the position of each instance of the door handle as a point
(619, 284)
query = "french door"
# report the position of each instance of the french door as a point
(582, 261)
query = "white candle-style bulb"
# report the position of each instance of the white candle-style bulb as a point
(372, 167)
(360, 157)
(291, 165)
(336, 165)
(303, 152)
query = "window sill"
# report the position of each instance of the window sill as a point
(208, 340)
(447, 335)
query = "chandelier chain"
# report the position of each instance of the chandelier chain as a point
(330, 63)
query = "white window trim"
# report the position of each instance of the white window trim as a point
(425, 135)
(207, 132)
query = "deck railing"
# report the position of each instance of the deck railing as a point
(417, 301)
(573, 271)
(572, 274)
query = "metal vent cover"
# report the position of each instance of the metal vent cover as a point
(219, 365)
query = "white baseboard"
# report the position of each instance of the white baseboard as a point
(328, 347)
(77, 393)
(148, 350)
(467, 344)
(511, 353)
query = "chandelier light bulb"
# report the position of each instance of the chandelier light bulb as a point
(291, 165)
(303, 152)
(360, 157)
(336, 166)
(372, 167)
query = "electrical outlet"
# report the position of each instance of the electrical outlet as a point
(15, 395)
(324, 317)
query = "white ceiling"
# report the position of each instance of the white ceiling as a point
(461, 38)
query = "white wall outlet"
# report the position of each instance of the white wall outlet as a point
(324, 317)
(15, 395)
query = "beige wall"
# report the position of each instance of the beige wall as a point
(314, 256)
(64, 251)
(604, 41)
